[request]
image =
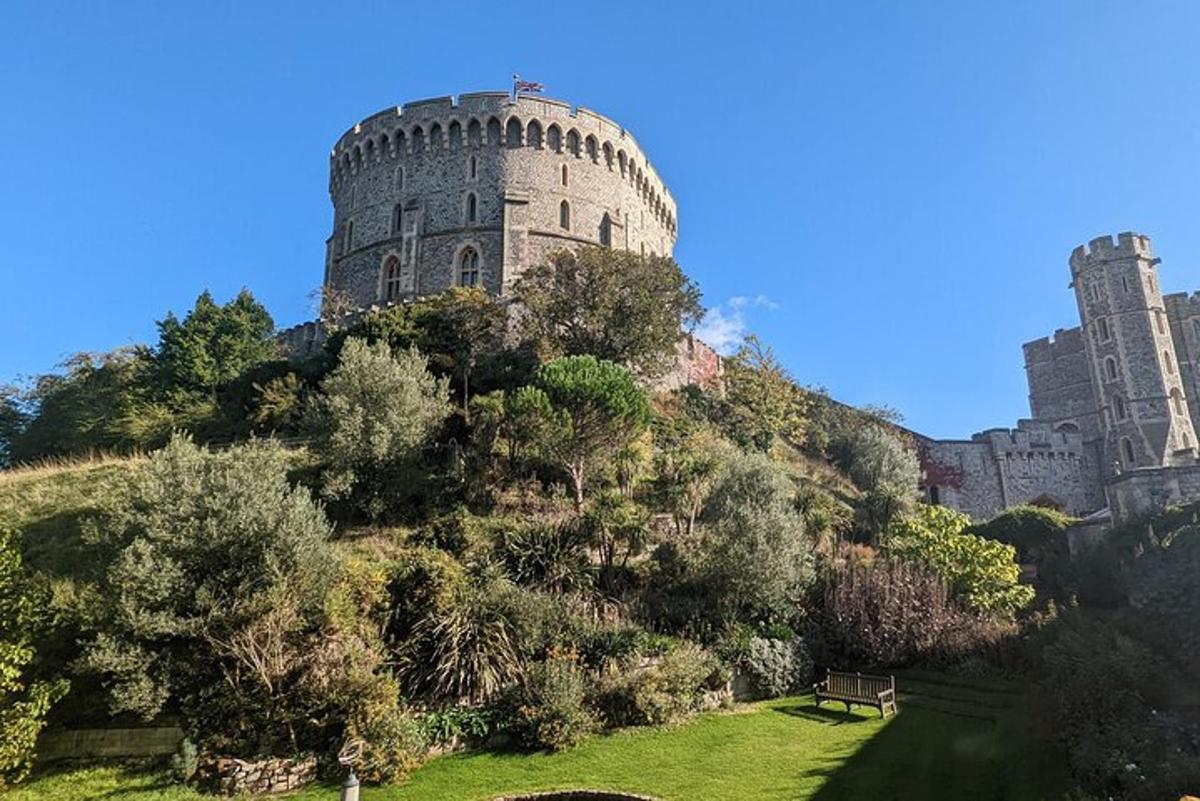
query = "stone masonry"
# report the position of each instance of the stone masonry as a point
(1113, 428)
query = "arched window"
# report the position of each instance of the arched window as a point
(493, 131)
(564, 175)
(435, 137)
(573, 142)
(554, 138)
(621, 161)
(418, 140)
(592, 150)
(533, 134)
(1110, 368)
(391, 278)
(455, 135)
(606, 231)
(472, 208)
(1127, 452)
(1177, 401)
(474, 133)
(1105, 332)
(564, 216)
(1119, 407)
(512, 133)
(468, 267)
(399, 177)
(608, 155)
(1067, 428)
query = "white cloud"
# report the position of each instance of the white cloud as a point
(724, 328)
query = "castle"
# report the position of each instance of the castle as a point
(1112, 401)
(469, 191)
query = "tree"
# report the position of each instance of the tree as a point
(611, 304)
(216, 576)
(23, 702)
(374, 410)
(884, 468)
(13, 419)
(460, 328)
(983, 573)
(617, 529)
(688, 464)
(213, 344)
(758, 557)
(579, 412)
(762, 400)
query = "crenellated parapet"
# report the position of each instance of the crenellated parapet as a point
(1103, 249)
(494, 119)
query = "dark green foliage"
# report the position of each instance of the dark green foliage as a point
(611, 304)
(668, 690)
(547, 557)
(579, 412)
(24, 701)
(1107, 699)
(13, 419)
(1164, 589)
(213, 344)
(1040, 536)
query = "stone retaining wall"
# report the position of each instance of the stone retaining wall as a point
(229, 776)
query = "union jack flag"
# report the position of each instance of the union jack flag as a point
(526, 86)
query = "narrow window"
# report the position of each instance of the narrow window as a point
(606, 231)
(474, 167)
(1125, 283)
(564, 216)
(1158, 316)
(1196, 328)
(935, 495)
(1110, 368)
(391, 278)
(349, 237)
(1127, 451)
(399, 177)
(398, 219)
(1169, 362)
(564, 175)
(468, 267)
(1177, 401)
(1105, 333)
(472, 208)
(1119, 407)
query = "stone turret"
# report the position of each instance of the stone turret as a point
(1127, 338)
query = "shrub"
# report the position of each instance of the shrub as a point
(668, 690)
(185, 760)
(23, 702)
(883, 467)
(375, 409)
(459, 724)
(984, 573)
(215, 578)
(777, 667)
(758, 560)
(551, 710)
(896, 613)
(545, 556)
(394, 741)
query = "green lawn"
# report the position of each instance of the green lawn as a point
(951, 740)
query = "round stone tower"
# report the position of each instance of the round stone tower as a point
(1139, 390)
(470, 191)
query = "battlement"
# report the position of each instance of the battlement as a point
(1030, 435)
(485, 118)
(1103, 249)
(1182, 305)
(1063, 343)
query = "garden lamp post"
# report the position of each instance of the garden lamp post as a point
(350, 754)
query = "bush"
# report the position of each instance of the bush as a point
(758, 560)
(883, 467)
(983, 573)
(23, 702)
(777, 667)
(545, 556)
(394, 741)
(892, 613)
(375, 409)
(185, 760)
(551, 710)
(668, 690)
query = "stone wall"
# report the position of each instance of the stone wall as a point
(403, 182)
(108, 743)
(1060, 383)
(229, 776)
(1140, 492)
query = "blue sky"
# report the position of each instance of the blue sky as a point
(886, 192)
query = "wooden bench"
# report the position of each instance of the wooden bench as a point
(855, 688)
